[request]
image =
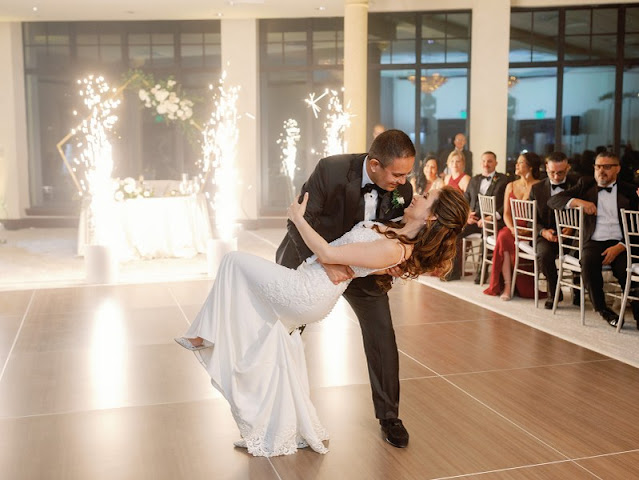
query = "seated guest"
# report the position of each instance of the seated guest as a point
(490, 183)
(547, 245)
(427, 177)
(456, 176)
(602, 199)
(527, 168)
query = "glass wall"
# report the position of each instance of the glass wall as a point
(532, 102)
(418, 76)
(298, 58)
(58, 54)
(567, 68)
(588, 109)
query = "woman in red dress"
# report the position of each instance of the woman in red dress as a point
(456, 165)
(527, 168)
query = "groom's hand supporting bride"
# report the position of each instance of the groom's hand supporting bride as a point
(338, 273)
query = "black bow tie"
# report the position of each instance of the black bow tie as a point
(369, 187)
(486, 177)
(607, 189)
(559, 185)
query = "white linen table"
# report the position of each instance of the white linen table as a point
(156, 227)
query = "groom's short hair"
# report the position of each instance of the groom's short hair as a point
(390, 145)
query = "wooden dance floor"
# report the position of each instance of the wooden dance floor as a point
(92, 386)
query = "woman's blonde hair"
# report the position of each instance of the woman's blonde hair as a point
(461, 156)
(434, 247)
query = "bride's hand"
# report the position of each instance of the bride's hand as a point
(296, 210)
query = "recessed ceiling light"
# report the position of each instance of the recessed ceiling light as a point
(321, 8)
(35, 9)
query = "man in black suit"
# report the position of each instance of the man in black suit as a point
(490, 183)
(602, 199)
(344, 190)
(459, 142)
(557, 181)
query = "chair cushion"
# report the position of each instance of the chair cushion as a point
(571, 260)
(526, 248)
(491, 240)
(473, 236)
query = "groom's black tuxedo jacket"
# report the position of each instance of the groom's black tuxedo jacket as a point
(496, 189)
(541, 192)
(586, 189)
(335, 205)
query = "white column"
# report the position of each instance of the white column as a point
(14, 180)
(356, 71)
(239, 59)
(489, 80)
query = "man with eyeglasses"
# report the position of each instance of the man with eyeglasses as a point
(602, 199)
(547, 245)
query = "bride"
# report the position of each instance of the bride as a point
(245, 334)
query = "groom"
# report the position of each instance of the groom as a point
(344, 190)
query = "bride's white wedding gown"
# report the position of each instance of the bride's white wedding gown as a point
(253, 359)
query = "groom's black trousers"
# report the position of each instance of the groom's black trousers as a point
(380, 346)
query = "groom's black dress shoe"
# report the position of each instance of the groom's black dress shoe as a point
(394, 432)
(609, 316)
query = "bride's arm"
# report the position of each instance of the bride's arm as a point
(377, 254)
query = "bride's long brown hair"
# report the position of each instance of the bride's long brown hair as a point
(434, 246)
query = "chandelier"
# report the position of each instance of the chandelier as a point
(429, 83)
(512, 81)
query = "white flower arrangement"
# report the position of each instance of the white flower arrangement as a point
(164, 97)
(129, 188)
(166, 102)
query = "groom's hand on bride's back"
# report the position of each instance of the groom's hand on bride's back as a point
(395, 271)
(338, 273)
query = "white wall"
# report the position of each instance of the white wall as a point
(14, 190)
(239, 59)
(489, 79)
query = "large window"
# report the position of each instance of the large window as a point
(573, 72)
(58, 54)
(298, 57)
(418, 76)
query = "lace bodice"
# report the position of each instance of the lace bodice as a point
(360, 233)
(306, 294)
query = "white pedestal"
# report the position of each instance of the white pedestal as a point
(216, 249)
(101, 264)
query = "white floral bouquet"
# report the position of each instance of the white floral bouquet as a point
(129, 188)
(166, 102)
(165, 97)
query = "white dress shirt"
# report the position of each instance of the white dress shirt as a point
(370, 198)
(607, 227)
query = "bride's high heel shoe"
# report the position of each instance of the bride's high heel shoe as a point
(186, 343)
